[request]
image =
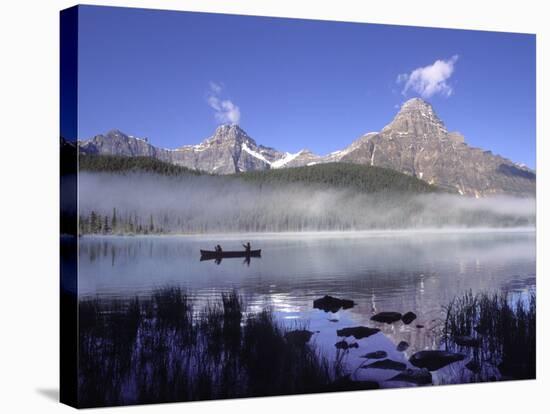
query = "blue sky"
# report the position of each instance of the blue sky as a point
(293, 84)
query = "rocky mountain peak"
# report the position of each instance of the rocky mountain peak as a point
(415, 104)
(415, 142)
(230, 133)
(417, 117)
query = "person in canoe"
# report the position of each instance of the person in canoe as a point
(247, 247)
(218, 248)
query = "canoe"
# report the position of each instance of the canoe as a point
(215, 255)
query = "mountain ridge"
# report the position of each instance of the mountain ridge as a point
(416, 142)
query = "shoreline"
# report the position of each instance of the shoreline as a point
(328, 234)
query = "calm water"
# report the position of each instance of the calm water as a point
(419, 272)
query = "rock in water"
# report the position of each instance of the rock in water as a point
(375, 355)
(402, 346)
(386, 317)
(408, 317)
(332, 304)
(358, 332)
(415, 376)
(298, 337)
(435, 359)
(344, 345)
(387, 364)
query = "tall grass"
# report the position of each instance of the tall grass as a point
(502, 326)
(161, 349)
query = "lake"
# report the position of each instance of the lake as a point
(381, 271)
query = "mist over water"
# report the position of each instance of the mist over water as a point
(206, 204)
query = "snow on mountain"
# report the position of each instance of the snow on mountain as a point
(415, 142)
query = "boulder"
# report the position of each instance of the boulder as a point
(435, 359)
(415, 376)
(386, 317)
(358, 332)
(332, 304)
(402, 346)
(408, 317)
(344, 345)
(375, 355)
(387, 364)
(298, 337)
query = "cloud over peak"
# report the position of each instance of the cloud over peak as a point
(429, 80)
(226, 112)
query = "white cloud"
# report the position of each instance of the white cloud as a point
(429, 80)
(226, 112)
(216, 87)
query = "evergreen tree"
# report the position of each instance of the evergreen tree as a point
(106, 228)
(93, 222)
(130, 224)
(114, 221)
(151, 224)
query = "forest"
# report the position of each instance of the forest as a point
(122, 195)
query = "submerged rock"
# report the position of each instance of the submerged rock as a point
(298, 337)
(408, 317)
(467, 341)
(332, 304)
(358, 332)
(402, 346)
(344, 345)
(415, 376)
(386, 317)
(435, 359)
(375, 355)
(387, 364)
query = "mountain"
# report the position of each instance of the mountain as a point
(116, 142)
(228, 151)
(416, 142)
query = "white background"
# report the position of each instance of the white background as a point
(29, 194)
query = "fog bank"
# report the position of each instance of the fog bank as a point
(206, 204)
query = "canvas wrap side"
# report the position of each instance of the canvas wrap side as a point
(68, 206)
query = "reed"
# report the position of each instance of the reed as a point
(161, 349)
(504, 327)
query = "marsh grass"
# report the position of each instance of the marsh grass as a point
(161, 349)
(504, 325)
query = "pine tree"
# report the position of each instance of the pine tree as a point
(114, 221)
(130, 225)
(106, 228)
(93, 222)
(151, 224)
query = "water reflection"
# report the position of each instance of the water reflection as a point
(380, 272)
